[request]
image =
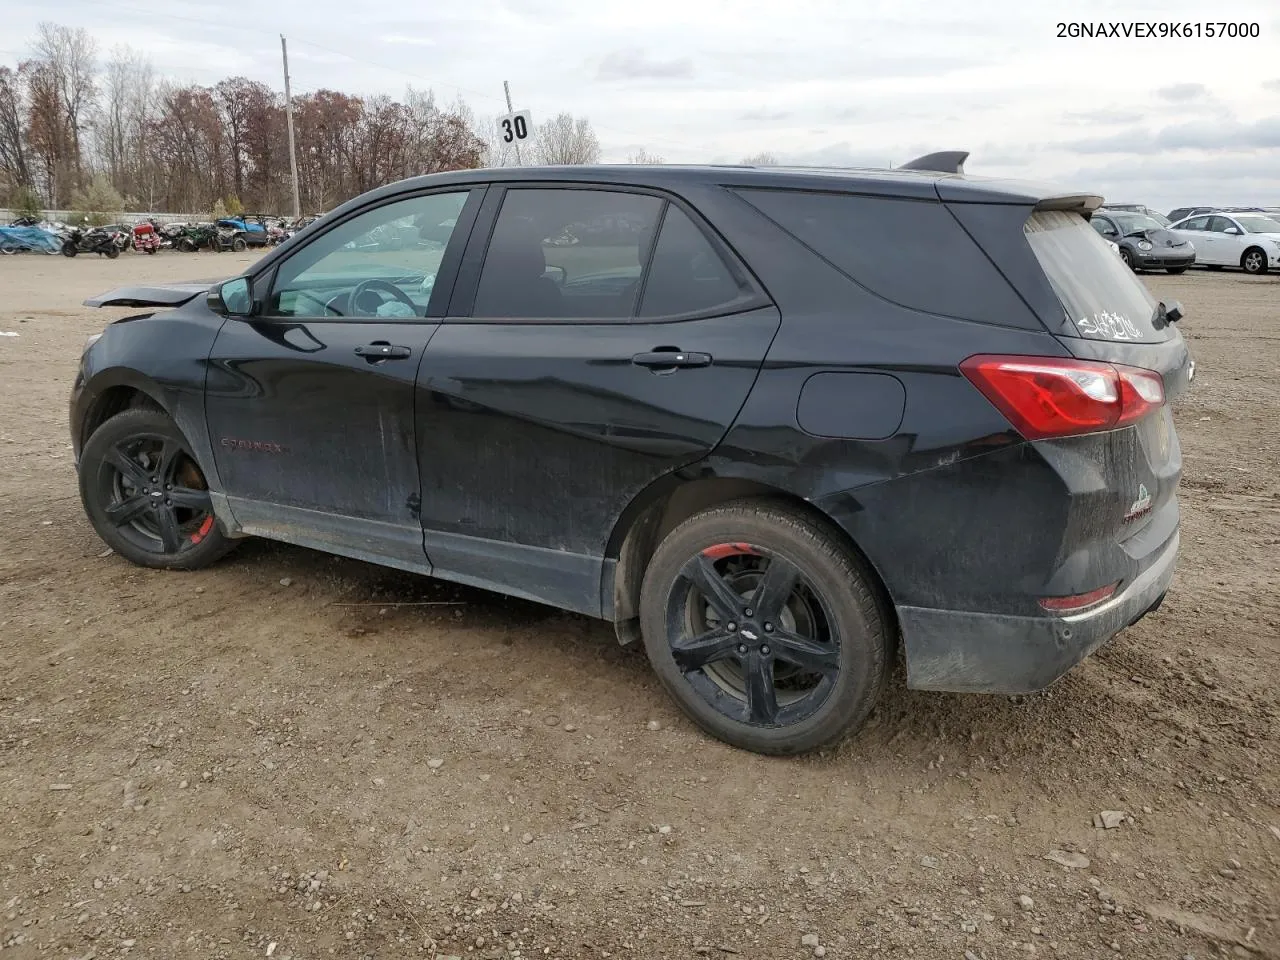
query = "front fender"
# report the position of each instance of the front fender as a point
(165, 358)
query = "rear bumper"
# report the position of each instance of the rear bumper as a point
(994, 653)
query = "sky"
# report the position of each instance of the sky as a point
(1162, 121)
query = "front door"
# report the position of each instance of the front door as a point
(310, 404)
(601, 341)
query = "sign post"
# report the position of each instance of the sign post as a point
(516, 125)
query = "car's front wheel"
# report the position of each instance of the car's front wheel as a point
(765, 628)
(1127, 257)
(145, 494)
(1254, 261)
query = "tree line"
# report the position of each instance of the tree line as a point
(83, 132)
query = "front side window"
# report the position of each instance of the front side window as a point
(381, 264)
(1258, 223)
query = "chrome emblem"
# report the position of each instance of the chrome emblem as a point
(749, 635)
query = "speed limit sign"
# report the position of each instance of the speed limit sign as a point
(515, 126)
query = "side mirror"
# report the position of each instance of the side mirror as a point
(1173, 312)
(1233, 231)
(233, 298)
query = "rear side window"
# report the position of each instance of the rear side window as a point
(1101, 295)
(686, 274)
(911, 252)
(567, 254)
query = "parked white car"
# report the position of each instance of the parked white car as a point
(1250, 241)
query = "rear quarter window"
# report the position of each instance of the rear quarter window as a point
(1101, 295)
(911, 252)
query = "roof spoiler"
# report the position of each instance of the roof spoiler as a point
(945, 161)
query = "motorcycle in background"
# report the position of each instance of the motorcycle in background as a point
(91, 240)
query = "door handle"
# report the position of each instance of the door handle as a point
(381, 350)
(670, 359)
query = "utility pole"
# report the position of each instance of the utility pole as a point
(506, 88)
(288, 112)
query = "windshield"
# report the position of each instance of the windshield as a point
(1101, 295)
(1134, 222)
(1256, 223)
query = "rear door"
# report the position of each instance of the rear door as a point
(310, 403)
(600, 338)
(1196, 230)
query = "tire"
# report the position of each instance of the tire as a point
(69, 249)
(1127, 257)
(112, 252)
(1254, 261)
(238, 245)
(151, 250)
(765, 701)
(1175, 270)
(129, 513)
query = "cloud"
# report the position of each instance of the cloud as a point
(1183, 92)
(1225, 135)
(634, 65)
(1272, 84)
(765, 116)
(1102, 116)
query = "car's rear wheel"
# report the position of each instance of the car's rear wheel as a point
(766, 630)
(145, 494)
(1175, 270)
(1254, 261)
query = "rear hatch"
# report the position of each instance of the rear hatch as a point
(1113, 318)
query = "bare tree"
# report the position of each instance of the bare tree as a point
(68, 57)
(644, 156)
(564, 140)
(765, 159)
(13, 113)
(126, 105)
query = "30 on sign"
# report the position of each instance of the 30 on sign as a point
(1160, 30)
(515, 127)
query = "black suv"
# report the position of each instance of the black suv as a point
(778, 422)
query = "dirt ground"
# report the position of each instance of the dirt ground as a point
(272, 758)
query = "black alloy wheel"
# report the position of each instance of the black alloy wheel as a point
(146, 495)
(770, 637)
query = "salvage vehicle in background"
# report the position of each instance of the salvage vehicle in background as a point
(1143, 243)
(749, 436)
(1250, 241)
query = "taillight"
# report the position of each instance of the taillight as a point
(1080, 601)
(1045, 397)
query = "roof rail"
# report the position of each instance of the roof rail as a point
(945, 161)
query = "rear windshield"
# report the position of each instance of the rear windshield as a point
(1101, 295)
